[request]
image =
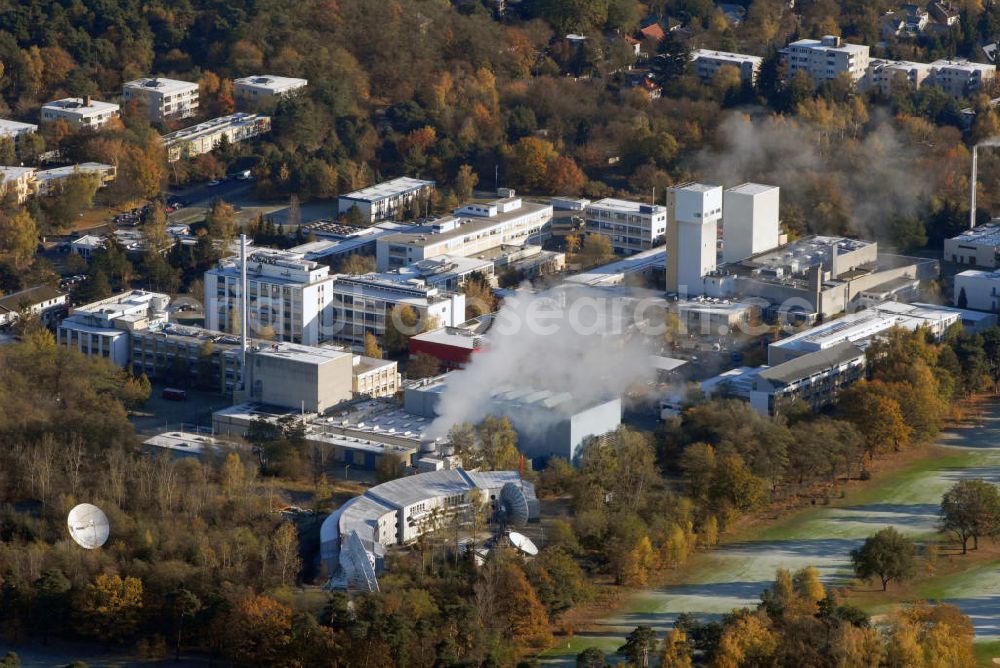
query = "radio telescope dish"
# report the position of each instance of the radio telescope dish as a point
(88, 526)
(514, 505)
(523, 543)
(357, 564)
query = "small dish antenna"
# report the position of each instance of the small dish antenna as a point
(523, 543)
(88, 526)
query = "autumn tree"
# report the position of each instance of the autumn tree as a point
(184, 605)
(877, 417)
(285, 548)
(596, 249)
(498, 443)
(372, 348)
(221, 220)
(18, 238)
(930, 635)
(465, 183)
(110, 607)
(971, 509)
(422, 365)
(748, 640)
(887, 555)
(258, 631)
(528, 163)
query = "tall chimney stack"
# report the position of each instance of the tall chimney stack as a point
(972, 186)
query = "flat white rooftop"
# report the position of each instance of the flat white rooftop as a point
(386, 189)
(752, 189)
(627, 206)
(75, 104)
(299, 353)
(271, 82)
(212, 127)
(162, 85)
(186, 442)
(69, 170)
(987, 234)
(9, 127)
(726, 55)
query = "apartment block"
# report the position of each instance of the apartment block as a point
(80, 112)
(962, 78)
(15, 129)
(207, 136)
(707, 63)
(163, 99)
(385, 200)
(885, 75)
(825, 59)
(265, 90)
(631, 227)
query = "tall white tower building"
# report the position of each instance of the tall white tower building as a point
(694, 212)
(750, 221)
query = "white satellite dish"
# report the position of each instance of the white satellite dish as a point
(88, 526)
(523, 543)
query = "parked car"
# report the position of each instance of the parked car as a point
(213, 183)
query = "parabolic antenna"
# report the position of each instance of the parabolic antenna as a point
(514, 505)
(88, 526)
(357, 564)
(523, 543)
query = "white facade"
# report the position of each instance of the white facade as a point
(692, 236)
(18, 180)
(707, 63)
(101, 329)
(80, 112)
(284, 292)
(15, 129)
(375, 377)
(474, 228)
(750, 221)
(384, 200)
(827, 58)
(207, 136)
(884, 75)
(363, 304)
(631, 227)
(961, 78)
(265, 89)
(163, 98)
(40, 300)
(48, 181)
(980, 288)
(978, 247)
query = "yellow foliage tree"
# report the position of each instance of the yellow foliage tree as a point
(110, 607)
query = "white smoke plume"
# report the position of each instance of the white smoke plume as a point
(576, 340)
(876, 177)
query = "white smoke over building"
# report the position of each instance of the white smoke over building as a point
(578, 341)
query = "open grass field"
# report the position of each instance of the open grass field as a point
(908, 499)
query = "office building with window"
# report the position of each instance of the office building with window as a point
(707, 64)
(631, 227)
(385, 200)
(207, 136)
(472, 229)
(102, 328)
(163, 99)
(288, 297)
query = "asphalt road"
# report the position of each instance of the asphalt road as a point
(240, 195)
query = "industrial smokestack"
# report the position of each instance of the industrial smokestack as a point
(972, 187)
(243, 311)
